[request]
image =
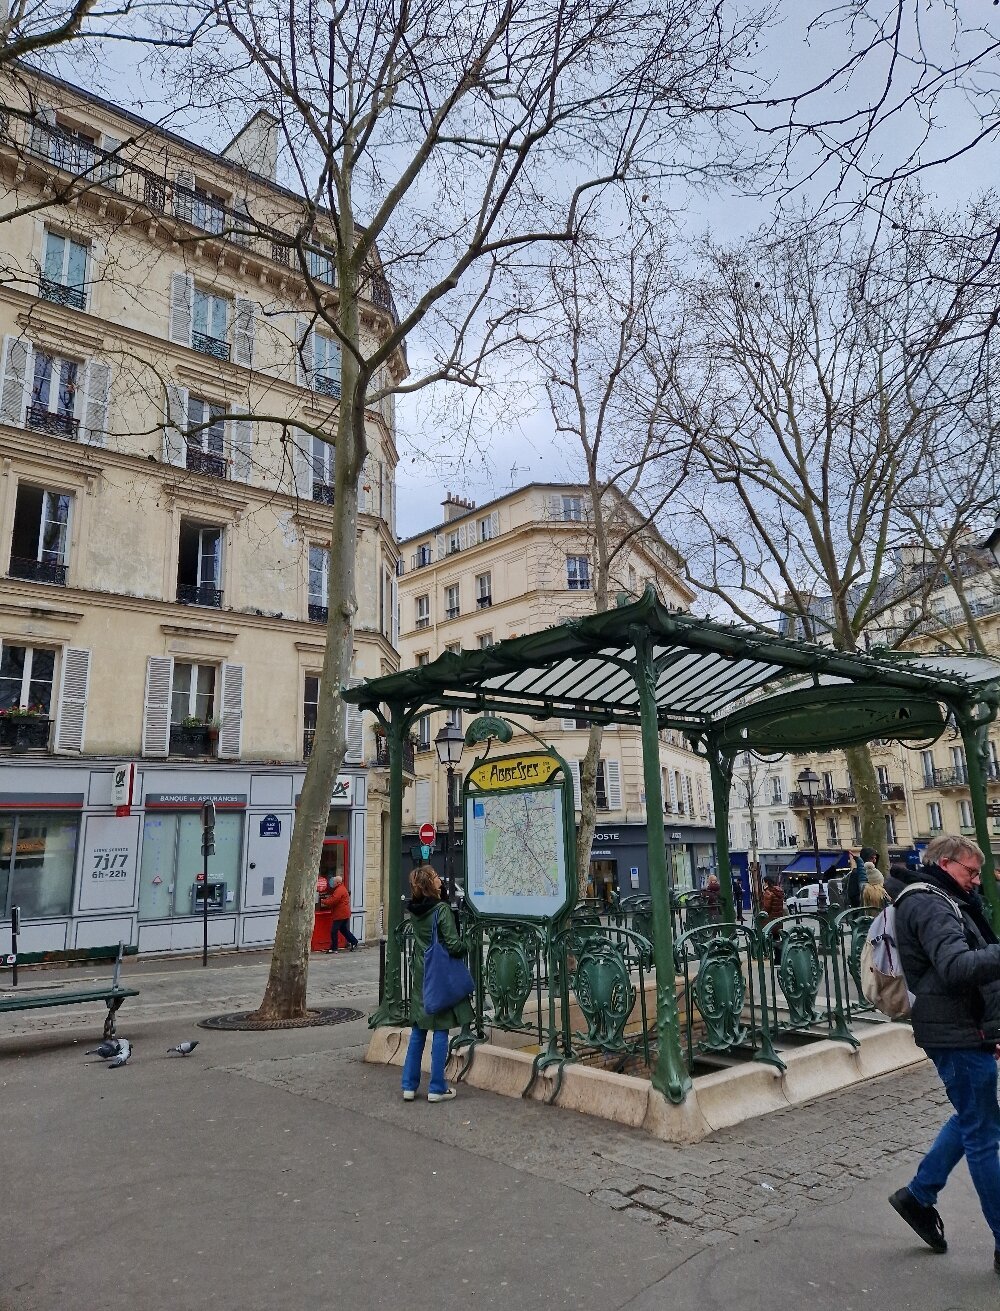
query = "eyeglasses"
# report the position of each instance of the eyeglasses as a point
(974, 870)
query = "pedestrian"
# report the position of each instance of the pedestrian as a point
(426, 908)
(860, 865)
(951, 958)
(713, 892)
(772, 903)
(339, 902)
(737, 895)
(874, 896)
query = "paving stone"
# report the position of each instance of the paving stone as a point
(608, 1197)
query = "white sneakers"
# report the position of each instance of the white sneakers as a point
(446, 1096)
(408, 1095)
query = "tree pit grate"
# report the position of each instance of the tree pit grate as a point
(247, 1021)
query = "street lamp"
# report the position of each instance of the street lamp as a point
(809, 786)
(449, 744)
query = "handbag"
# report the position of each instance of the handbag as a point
(447, 980)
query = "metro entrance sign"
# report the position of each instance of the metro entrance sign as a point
(427, 834)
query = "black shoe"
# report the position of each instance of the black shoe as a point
(331, 951)
(923, 1220)
(996, 1261)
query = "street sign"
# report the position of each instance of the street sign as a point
(427, 834)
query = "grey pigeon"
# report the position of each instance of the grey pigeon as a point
(185, 1048)
(110, 1047)
(124, 1052)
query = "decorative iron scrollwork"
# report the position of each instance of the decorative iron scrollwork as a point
(720, 993)
(604, 992)
(509, 976)
(799, 974)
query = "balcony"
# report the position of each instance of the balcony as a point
(212, 466)
(423, 621)
(327, 385)
(484, 602)
(308, 737)
(452, 612)
(37, 571)
(213, 346)
(954, 777)
(199, 594)
(193, 740)
(322, 492)
(21, 732)
(420, 560)
(60, 294)
(318, 614)
(56, 425)
(199, 210)
(892, 792)
(382, 754)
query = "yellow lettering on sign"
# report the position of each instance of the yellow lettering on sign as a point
(514, 772)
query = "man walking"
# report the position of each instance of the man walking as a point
(951, 958)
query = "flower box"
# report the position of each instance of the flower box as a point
(190, 742)
(25, 732)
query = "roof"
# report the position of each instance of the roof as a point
(705, 671)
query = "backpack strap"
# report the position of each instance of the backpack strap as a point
(938, 892)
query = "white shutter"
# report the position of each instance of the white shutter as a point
(240, 446)
(302, 472)
(111, 169)
(231, 718)
(440, 545)
(422, 800)
(243, 331)
(71, 717)
(574, 769)
(181, 308)
(689, 790)
(553, 507)
(175, 423)
(13, 387)
(394, 602)
(673, 791)
(701, 796)
(568, 725)
(304, 353)
(182, 201)
(495, 523)
(613, 775)
(355, 733)
(96, 392)
(156, 708)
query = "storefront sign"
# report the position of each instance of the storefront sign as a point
(605, 837)
(270, 827)
(108, 871)
(122, 783)
(343, 790)
(514, 772)
(195, 800)
(634, 875)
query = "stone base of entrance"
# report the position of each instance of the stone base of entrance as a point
(716, 1101)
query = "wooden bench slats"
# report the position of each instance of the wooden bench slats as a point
(52, 994)
(83, 955)
(31, 1001)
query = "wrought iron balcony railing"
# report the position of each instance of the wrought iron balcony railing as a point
(214, 346)
(62, 294)
(198, 461)
(318, 614)
(56, 425)
(322, 492)
(327, 384)
(382, 754)
(37, 571)
(484, 602)
(308, 737)
(199, 594)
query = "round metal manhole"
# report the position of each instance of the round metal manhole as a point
(248, 1021)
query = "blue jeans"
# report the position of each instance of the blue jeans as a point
(439, 1058)
(970, 1079)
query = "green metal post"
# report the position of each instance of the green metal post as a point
(974, 721)
(670, 1075)
(391, 1011)
(721, 769)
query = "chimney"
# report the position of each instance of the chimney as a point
(255, 146)
(455, 507)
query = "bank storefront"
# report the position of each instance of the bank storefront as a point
(85, 876)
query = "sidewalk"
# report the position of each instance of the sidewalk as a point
(277, 1170)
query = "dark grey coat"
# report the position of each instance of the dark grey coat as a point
(952, 968)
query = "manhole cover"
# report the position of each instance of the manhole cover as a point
(248, 1020)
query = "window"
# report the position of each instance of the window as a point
(453, 717)
(631, 580)
(777, 791)
(37, 859)
(27, 674)
(454, 648)
(326, 365)
(424, 733)
(205, 437)
(890, 830)
(484, 590)
(210, 333)
(484, 640)
(64, 271)
(993, 763)
(192, 694)
(171, 859)
(322, 264)
(828, 786)
(781, 832)
(454, 541)
(927, 765)
(578, 573)
(424, 658)
(451, 601)
(322, 458)
(199, 565)
(310, 709)
(572, 509)
(958, 765)
(486, 529)
(52, 406)
(40, 538)
(423, 556)
(67, 146)
(198, 205)
(600, 781)
(882, 773)
(856, 829)
(965, 816)
(319, 583)
(934, 816)
(422, 611)
(832, 835)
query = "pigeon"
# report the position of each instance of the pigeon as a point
(124, 1052)
(185, 1048)
(110, 1047)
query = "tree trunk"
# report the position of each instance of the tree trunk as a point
(871, 807)
(588, 807)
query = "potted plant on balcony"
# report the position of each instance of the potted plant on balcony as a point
(193, 737)
(24, 728)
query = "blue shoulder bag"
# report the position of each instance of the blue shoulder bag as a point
(447, 980)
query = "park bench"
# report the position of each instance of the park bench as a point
(61, 993)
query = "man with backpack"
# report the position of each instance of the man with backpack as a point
(950, 956)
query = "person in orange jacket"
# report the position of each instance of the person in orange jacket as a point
(339, 901)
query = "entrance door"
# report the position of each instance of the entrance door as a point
(333, 860)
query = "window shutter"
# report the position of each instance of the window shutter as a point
(568, 725)
(71, 716)
(96, 393)
(304, 353)
(41, 137)
(394, 602)
(183, 203)
(440, 545)
(240, 446)
(243, 331)
(175, 423)
(156, 708)
(355, 730)
(422, 800)
(495, 523)
(301, 464)
(13, 388)
(231, 719)
(181, 308)
(111, 169)
(689, 791)
(554, 507)
(673, 792)
(613, 772)
(574, 769)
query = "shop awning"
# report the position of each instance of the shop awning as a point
(805, 864)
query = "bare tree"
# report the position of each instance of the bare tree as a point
(834, 410)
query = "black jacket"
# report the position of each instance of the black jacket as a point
(952, 968)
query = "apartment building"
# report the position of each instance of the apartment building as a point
(524, 562)
(165, 529)
(762, 824)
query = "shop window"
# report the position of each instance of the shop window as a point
(40, 538)
(37, 858)
(172, 859)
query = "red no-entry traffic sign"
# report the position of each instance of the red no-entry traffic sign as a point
(427, 834)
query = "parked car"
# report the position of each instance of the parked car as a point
(803, 899)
